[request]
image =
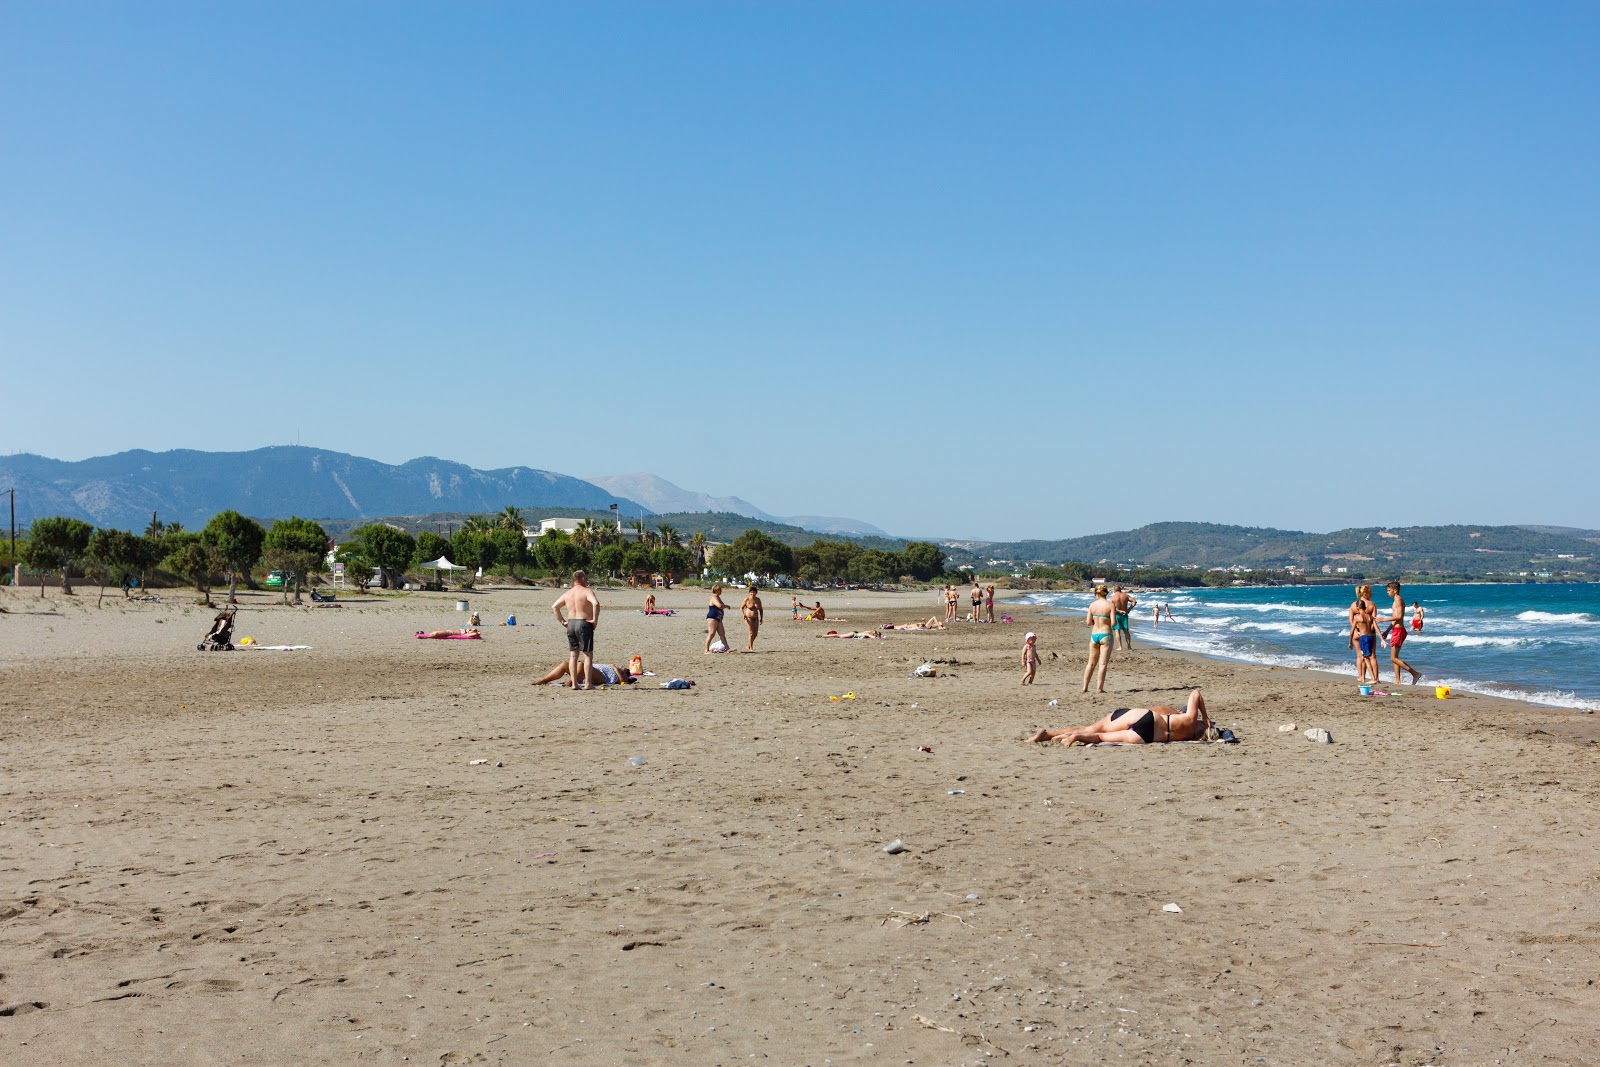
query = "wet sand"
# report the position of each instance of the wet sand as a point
(384, 850)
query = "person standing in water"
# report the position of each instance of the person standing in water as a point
(1416, 615)
(1123, 604)
(1397, 634)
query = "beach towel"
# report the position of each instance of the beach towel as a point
(275, 648)
(421, 636)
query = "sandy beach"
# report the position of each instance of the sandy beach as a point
(385, 850)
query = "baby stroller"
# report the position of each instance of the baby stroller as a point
(220, 638)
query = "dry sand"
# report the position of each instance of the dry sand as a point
(295, 857)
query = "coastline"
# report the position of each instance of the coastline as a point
(294, 856)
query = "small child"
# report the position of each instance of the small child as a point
(794, 607)
(1030, 657)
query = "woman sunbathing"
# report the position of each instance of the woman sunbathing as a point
(466, 633)
(933, 623)
(1138, 726)
(860, 634)
(599, 674)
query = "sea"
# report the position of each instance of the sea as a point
(1535, 643)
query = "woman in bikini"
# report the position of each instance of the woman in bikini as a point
(951, 599)
(599, 674)
(988, 603)
(753, 615)
(1098, 620)
(1138, 726)
(715, 609)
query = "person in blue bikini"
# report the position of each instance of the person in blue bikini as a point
(1099, 620)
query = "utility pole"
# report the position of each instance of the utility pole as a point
(13, 493)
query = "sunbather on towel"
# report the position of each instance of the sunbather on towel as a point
(861, 634)
(466, 633)
(599, 674)
(933, 623)
(1138, 726)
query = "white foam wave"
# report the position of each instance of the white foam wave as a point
(1295, 628)
(1579, 617)
(1471, 640)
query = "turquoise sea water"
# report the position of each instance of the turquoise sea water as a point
(1539, 643)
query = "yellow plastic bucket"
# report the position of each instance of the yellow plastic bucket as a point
(1442, 692)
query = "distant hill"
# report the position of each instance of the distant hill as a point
(1452, 550)
(656, 493)
(190, 486)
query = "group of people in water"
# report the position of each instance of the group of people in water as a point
(1365, 635)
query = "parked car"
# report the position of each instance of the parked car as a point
(278, 579)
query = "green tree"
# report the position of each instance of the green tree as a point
(117, 553)
(55, 544)
(671, 560)
(238, 542)
(609, 559)
(558, 553)
(636, 559)
(299, 546)
(481, 524)
(358, 566)
(873, 567)
(669, 536)
(510, 548)
(754, 552)
(389, 549)
(826, 561)
(431, 546)
(471, 548)
(922, 560)
(699, 545)
(188, 556)
(510, 518)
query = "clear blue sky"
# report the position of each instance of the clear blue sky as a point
(983, 270)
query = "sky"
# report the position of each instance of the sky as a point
(982, 270)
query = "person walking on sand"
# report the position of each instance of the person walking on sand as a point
(1364, 633)
(754, 615)
(1030, 657)
(988, 603)
(1397, 634)
(715, 609)
(578, 610)
(1122, 604)
(1098, 620)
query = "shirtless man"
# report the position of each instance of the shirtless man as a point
(578, 610)
(1122, 604)
(1138, 726)
(1397, 634)
(754, 616)
(977, 602)
(1364, 633)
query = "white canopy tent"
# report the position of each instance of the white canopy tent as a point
(441, 564)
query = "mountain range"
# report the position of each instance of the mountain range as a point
(188, 486)
(660, 495)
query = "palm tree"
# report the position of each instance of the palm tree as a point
(511, 519)
(669, 536)
(697, 545)
(478, 524)
(587, 534)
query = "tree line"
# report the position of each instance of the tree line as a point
(231, 546)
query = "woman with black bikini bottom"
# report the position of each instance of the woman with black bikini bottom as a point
(1138, 726)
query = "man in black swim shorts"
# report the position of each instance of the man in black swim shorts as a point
(578, 610)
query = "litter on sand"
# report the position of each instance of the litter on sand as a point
(1173, 908)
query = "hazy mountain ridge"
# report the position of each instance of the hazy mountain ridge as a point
(191, 486)
(656, 493)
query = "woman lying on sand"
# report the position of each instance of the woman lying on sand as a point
(933, 623)
(599, 674)
(466, 633)
(1138, 726)
(859, 634)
